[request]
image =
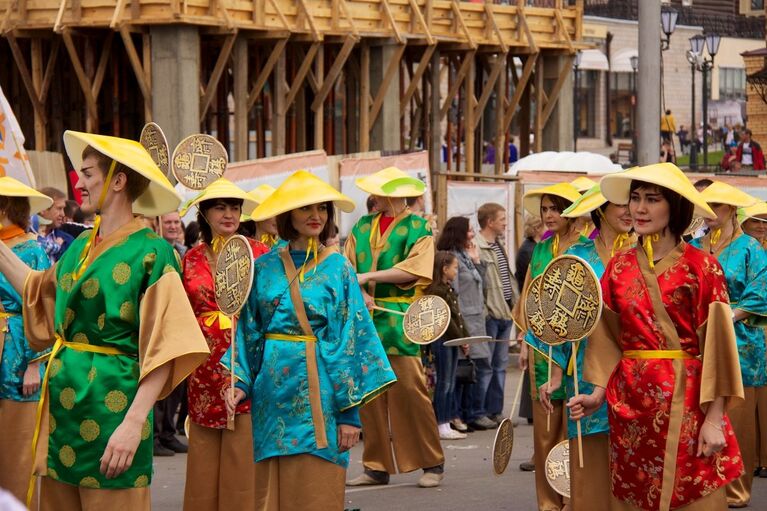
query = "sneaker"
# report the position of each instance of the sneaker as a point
(483, 423)
(451, 434)
(159, 450)
(527, 466)
(430, 480)
(369, 478)
(174, 445)
(496, 417)
(459, 425)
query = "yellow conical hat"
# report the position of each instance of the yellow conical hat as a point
(753, 211)
(532, 199)
(301, 189)
(586, 203)
(222, 188)
(10, 187)
(391, 182)
(616, 187)
(583, 183)
(722, 193)
(261, 192)
(159, 198)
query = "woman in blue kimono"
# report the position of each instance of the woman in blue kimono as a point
(21, 368)
(744, 263)
(590, 485)
(307, 353)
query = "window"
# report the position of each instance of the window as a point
(732, 84)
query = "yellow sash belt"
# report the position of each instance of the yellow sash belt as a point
(210, 317)
(4, 317)
(657, 354)
(292, 338)
(57, 346)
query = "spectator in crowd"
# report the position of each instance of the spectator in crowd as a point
(84, 219)
(371, 205)
(499, 298)
(667, 126)
(684, 139)
(417, 205)
(513, 152)
(171, 229)
(667, 154)
(69, 226)
(55, 242)
(192, 235)
(730, 161)
(749, 153)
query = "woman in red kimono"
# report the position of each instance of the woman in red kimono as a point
(664, 354)
(219, 468)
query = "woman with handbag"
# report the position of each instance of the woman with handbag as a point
(445, 272)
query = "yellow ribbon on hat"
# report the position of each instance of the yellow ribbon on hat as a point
(620, 240)
(83, 262)
(268, 239)
(716, 234)
(312, 248)
(647, 244)
(210, 317)
(218, 243)
(555, 245)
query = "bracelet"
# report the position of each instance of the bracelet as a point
(713, 424)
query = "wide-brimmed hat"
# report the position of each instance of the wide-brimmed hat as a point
(391, 182)
(722, 193)
(261, 193)
(159, 198)
(532, 199)
(583, 183)
(617, 187)
(10, 187)
(301, 189)
(222, 188)
(760, 208)
(586, 203)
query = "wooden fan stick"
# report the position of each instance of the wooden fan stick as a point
(384, 309)
(548, 413)
(233, 344)
(517, 394)
(578, 422)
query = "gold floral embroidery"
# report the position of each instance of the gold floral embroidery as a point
(100, 321)
(141, 481)
(66, 282)
(55, 367)
(146, 430)
(67, 398)
(121, 273)
(90, 482)
(81, 338)
(89, 430)
(116, 401)
(128, 312)
(69, 316)
(51, 423)
(90, 288)
(67, 456)
(92, 374)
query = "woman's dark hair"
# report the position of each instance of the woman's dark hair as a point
(454, 234)
(16, 209)
(680, 210)
(191, 234)
(247, 229)
(205, 232)
(442, 258)
(596, 218)
(559, 202)
(286, 231)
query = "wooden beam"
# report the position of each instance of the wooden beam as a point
(49, 69)
(519, 90)
(222, 8)
(37, 81)
(421, 21)
(98, 79)
(522, 20)
(117, 14)
(319, 113)
(298, 80)
(563, 29)
(241, 99)
(218, 70)
(500, 135)
(458, 16)
(554, 93)
(469, 116)
(456, 83)
(146, 48)
(334, 71)
(364, 97)
(413, 85)
(391, 70)
(490, 18)
(26, 77)
(135, 63)
(59, 16)
(487, 89)
(390, 17)
(82, 77)
(263, 75)
(310, 19)
(279, 132)
(347, 14)
(280, 15)
(537, 124)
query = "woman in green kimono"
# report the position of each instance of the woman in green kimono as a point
(307, 353)
(122, 330)
(744, 263)
(549, 203)
(21, 367)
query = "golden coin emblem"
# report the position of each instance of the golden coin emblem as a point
(141, 482)
(90, 288)
(502, 446)
(198, 161)
(426, 320)
(116, 401)
(89, 430)
(51, 423)
(234, 275)
(128, 312)
(121, 273)
(571, 298)
(538, 325)
(81, 338)
(558, 468)
(90, 482)
(146, 430)
(67, 398)
(154, 141)
(67, 456)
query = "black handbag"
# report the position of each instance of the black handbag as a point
(466, 372)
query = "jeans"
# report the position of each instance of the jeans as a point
(499, 360)
(479, 390)
(446, 360)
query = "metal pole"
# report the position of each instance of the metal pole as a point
(649, 82)
(634, 148)
(693, 128)
(576, 110)
(705, 116)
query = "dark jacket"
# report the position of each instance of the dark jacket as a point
(456, 329)
(522, 262)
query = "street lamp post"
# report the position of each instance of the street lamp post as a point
(668, 18)
(693, 56)
(634, 66)
(576, 98)
(712, 44)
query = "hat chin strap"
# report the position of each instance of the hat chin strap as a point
(83, 264)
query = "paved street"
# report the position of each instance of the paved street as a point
(469, 484)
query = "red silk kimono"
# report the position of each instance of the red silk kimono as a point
(209, 383)
(656, 405)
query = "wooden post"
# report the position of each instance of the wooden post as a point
(500, 95)
(524, 119)
(365, 98)
(319, 73)
(278, 108)
(241, 113)
(435, 125)
(469, 113)
(538, 119)
(37, 80)
(146, 46)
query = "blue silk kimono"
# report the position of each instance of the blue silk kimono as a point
(301, 389)
(745, 267)
(16, 352)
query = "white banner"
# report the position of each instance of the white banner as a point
(14, 161)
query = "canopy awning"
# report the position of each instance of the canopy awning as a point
(566, 161)
(621, 60)
(594, 60)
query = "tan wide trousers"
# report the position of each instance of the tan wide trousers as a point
(401, 418)
(743, 420)
(543, 442)
(298, 483)
(590, 487)
(56, 496)
(220, 472)
(17, 426)
(761, 428)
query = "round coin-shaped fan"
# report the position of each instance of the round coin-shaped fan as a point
(198, 161)
(535, 319)
(154, 141)
(234, 275)
(570, 298)
(426, 320)
(558, 468)
(503, 445)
